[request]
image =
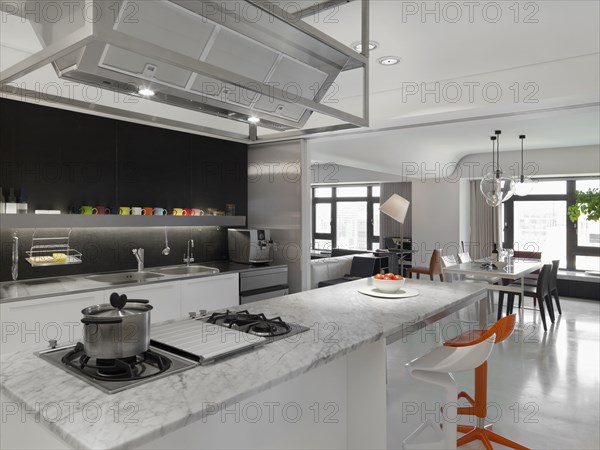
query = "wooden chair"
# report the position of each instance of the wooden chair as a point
(435, 267)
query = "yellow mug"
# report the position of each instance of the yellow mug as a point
(124, 210)
(179, 212)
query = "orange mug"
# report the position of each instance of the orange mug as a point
(179, 212)
(148, 211)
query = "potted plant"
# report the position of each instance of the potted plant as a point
(587, 203)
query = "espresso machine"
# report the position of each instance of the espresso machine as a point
(250, 246)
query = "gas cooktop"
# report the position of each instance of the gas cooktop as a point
(175, 346)
(116, 375)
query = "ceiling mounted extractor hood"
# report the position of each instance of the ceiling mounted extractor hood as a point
(235, 59)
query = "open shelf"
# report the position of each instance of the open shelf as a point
(114, 221)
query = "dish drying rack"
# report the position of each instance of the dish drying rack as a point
(52, 251)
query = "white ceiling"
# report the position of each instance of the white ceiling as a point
(556, 60)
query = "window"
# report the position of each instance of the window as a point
(588, 232)
(541, 226)
(346, 217)
(539, 222)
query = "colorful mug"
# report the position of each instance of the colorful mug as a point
(197, 212)
(188, 212)
(179, 212)
(160, 212)
(88, 210)
(103, 210)
(124, 210)
(148, 211)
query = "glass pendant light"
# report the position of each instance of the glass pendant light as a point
(495, 187)
(523, 184)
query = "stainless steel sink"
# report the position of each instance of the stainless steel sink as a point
(186, 270)
(125, 277)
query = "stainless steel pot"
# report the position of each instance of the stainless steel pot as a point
(117, 330)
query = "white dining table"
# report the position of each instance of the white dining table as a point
(517, 270)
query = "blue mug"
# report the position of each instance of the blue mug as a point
(160, 212)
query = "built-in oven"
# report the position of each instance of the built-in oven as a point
(262, 283)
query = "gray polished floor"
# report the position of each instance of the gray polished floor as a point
(543, 388)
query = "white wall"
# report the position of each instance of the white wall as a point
(277, 190)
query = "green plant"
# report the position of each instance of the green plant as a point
(587, 203)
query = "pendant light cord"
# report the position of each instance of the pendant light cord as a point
(522, 137)
(498, 153)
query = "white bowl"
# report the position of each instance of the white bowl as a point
(388, 285)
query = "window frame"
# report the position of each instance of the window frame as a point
(370, 199)
(573, 249)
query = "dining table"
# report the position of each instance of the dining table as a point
(509, 270)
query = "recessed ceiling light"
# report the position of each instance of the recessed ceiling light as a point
(358, 46)
(146, 92)
(253, 119)
(388, 60)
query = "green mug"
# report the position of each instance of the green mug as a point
(124, 211)
(88, 210)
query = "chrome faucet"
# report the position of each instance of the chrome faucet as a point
(139, 255)
(190, 254)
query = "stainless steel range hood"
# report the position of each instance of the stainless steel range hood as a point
(235, 59)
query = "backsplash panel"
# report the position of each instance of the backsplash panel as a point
(107, 250)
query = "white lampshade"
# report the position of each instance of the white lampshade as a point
(396, 207)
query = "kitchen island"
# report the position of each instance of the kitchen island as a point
(323, 388)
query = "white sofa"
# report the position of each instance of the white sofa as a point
(329, 268)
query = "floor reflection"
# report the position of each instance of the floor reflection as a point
(539, 384)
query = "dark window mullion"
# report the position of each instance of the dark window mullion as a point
(571, 227)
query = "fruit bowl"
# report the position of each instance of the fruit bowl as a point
(387, 284)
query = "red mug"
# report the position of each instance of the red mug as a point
(103, 210)
(188, 211)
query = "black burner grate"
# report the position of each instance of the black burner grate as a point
(139, 367)
(256, 324)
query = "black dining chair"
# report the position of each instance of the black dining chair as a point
(541, 292)
(553, 285)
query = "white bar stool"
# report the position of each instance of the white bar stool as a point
(435, 367)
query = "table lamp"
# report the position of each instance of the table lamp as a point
(396, 207)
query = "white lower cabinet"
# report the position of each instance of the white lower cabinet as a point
(164, 298)
(215, 292)
(28, 325)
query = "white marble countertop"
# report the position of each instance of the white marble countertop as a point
(175, 401)
(11, 291)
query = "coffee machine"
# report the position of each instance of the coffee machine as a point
(250, 246)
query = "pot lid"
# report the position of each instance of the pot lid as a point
(107, 310)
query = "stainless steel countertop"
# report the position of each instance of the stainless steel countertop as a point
(13, 291)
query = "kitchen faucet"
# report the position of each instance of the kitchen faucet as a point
(190, 254)
(139, 255)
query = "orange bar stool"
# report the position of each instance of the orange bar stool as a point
(502, 329)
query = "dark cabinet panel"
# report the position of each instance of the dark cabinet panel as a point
(219, 174)
(60, 157)
(154, 167)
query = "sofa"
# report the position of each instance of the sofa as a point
(329, 268)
